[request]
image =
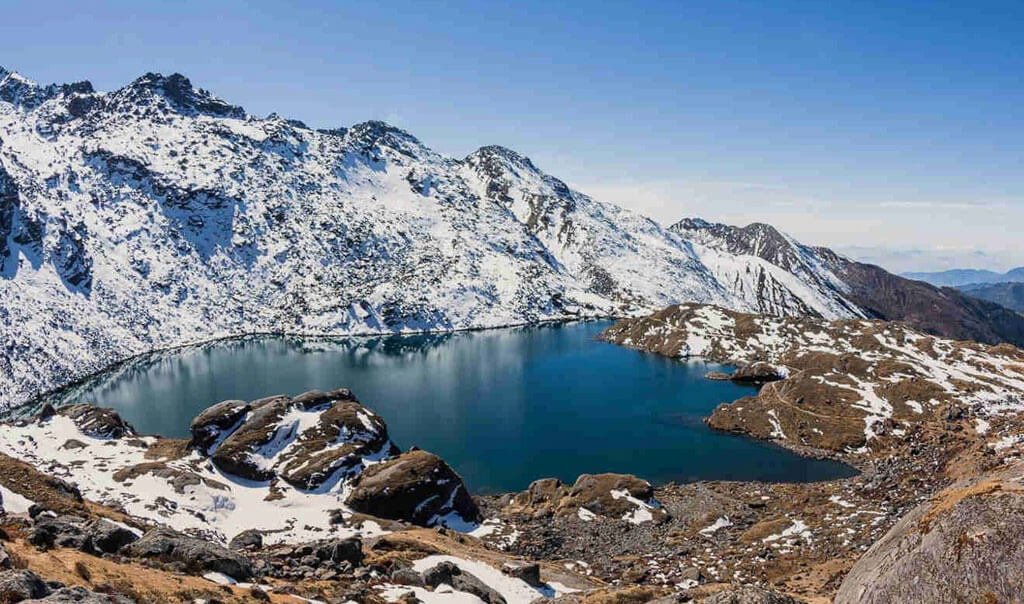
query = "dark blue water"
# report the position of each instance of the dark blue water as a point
(503, 407)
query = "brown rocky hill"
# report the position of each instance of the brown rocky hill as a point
(850, 385)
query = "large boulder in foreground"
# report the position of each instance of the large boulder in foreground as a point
(964, 545)
(306, 441)
(196, 555)
(21, 585)
(416, 487)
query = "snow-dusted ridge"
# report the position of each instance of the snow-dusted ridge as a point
(158, 215)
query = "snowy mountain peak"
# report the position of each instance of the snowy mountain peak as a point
(174, 92)
(26, 94)
(158, 215)
(373, 135)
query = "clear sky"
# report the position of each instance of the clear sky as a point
(894, 131)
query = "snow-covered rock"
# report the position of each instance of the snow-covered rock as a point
(158, 215)
(289, 468)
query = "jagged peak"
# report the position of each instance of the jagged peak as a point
(180, 94)
(754, 228)
(378, 133)
(23, 92)
(491, 153)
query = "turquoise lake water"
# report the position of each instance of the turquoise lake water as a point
(503, 407)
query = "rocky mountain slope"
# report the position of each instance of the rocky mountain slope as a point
(873, 291)
(157, 215)
(1010, 295)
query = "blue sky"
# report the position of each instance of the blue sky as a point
(894, 131)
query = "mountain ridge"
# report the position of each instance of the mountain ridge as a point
(965, 276)
(877, 293)
(159, 215)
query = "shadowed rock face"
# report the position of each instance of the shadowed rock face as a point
(417, 486)
(964, 545)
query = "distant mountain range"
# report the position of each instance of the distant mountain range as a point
(962, 276)
(158, 215)
(1010, 295)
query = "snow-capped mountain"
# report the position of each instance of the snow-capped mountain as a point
(158, 215)
(873, 292)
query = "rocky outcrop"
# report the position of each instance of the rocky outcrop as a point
(757, 373)
(21, 585)
(416, 487)
(97, 422)
(612, 496)
(963, 545)
(80, 595)
(97, 536)
(305, 441)
(447, 573)
(748, 595)
(195, 555)
(213, 424)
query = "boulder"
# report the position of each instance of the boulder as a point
(235, 453)
(417, 487)
(5, 559)
(748, 595)
(964, 545)
(342, 550)
(107, 537)
(248, 539)
(620, 496)
(97, 536)
(80, 595)
(345, 433)
(21, 585)
(52, 531)
(406, 576)
(208, 427)
(97, 422)
(448, 573)
(197, 555)
(341, 433)
(530, 573)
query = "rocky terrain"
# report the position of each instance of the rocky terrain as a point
(307, 498)
(158, 215)
(935, 425)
